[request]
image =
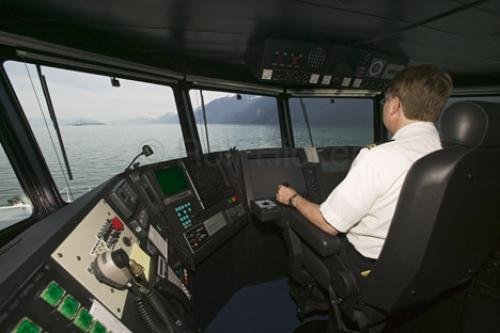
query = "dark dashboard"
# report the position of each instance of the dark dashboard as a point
(160, 225)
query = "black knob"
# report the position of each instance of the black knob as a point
(120, 258)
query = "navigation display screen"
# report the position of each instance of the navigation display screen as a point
(172, 180)
(209, 181)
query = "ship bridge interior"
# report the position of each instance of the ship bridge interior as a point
(142, 144)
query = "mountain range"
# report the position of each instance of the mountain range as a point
(250, 110)
(262, 111)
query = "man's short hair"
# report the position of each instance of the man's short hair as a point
(423, 91)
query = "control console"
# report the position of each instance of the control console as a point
(195, 202)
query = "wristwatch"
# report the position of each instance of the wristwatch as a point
(290, 201)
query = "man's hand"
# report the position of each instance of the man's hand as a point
(284, 193)
(308, 209)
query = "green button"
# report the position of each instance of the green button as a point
(69, 307)
(27, 326)
(83, 320)
(97, 327)
(52, 294)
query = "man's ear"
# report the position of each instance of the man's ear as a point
(395, 106)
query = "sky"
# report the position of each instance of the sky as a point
(77, 95)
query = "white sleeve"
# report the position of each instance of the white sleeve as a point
(355, 195)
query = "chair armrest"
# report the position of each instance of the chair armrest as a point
(322, 243)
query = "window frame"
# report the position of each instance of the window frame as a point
(26, 160)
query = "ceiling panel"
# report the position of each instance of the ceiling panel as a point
(458, 63)
(466, 56)
(213, 16)
(403, 11)
(152, 14)
(492, 6)
(223, 28)
(472, 23)
(216, 33)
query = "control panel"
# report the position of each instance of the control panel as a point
(143, 235)
(100, 231)
(322, 65)
(196, 202)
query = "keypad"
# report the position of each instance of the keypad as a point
(184, 212)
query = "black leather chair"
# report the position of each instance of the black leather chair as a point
(446, 223)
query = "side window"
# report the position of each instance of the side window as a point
(324, 122)
(235, 120)
(103, 122)
(14, 204)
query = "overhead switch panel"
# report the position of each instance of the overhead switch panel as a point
(322, 65)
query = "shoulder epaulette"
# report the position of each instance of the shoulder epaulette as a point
(371, 145)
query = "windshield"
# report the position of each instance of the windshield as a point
(231, 120)
(324, 122)
(103, 121)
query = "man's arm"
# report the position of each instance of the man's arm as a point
(287, 195)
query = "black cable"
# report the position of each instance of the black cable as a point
(151, 309)
(155, 301)
(166, 287)
(152, 324)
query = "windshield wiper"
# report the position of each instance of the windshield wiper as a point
(54, 119)
(306, 119)
(205, 119)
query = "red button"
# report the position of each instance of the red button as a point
(116, 224)
(234, 198)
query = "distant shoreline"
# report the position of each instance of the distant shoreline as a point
(87, 124)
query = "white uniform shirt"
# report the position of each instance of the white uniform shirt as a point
(363, 204)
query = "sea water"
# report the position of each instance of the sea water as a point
(97, 152)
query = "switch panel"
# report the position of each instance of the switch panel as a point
(100, 231)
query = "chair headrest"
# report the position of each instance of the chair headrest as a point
(471, 124)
